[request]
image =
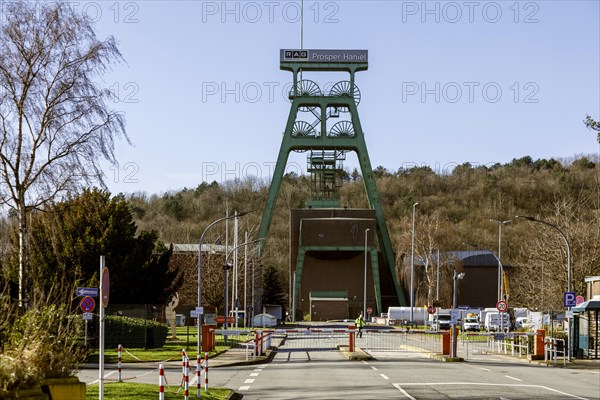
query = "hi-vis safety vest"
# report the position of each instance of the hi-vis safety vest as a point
(360, 322)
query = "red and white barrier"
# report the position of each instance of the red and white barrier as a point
(186, 379)
(119, 363)
(161, 382)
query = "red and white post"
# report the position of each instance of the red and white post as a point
(161, 382)
(206, 372)
(198, 375)
(186, 379)
(119, 362)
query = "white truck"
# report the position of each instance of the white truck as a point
(493, 321)
(471, 322)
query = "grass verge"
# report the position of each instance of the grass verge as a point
(143, 391)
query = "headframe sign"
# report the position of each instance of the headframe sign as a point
(324, 56)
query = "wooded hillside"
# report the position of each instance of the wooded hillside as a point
(454, 213)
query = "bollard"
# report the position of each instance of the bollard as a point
(198, 375)
(351, 338)
(186, 379)
(161, 382)
(119, 364)
(539, 344)
(206, 372)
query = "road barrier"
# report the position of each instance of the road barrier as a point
(552, 350)
(402, 340)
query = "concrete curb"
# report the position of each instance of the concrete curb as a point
(357, 355)
(445, 358)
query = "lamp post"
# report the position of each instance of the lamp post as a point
(227, 266)
(365, 289)
(455, 278)
(500, 268)
(200, 242)
(412, 264)
(564, 236)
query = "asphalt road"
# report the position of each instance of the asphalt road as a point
(322, 374)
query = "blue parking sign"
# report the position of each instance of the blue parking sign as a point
(569, 299)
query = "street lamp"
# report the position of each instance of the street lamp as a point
(200, 242)
(500, 268)
(365, 291)
(455, 278)
(412, 264)
(227, 266)
(532, 219)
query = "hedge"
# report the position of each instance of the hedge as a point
(134, 332)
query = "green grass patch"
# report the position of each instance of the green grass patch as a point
(167, 352)
(142, 391)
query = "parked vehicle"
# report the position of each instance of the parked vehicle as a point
(493, 321)
(471, 323)
(441, 320)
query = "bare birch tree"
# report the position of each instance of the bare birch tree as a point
(55, 123)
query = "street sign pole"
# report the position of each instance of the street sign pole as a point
(101, 376)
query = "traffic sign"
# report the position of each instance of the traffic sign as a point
(87, 304)
(569, 299)
(502, 306)
(87, 291)
(431, 309)
(105, 286)
(200, 310)
(579, 300)
(369, 310)
(87, 316)
(220, 319)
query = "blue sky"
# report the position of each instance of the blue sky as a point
(448, 82)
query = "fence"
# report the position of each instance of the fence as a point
(407, 341)
(552, 348)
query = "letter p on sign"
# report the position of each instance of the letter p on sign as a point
(569, 299)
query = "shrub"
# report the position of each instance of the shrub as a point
(134, 332)
(42, 343)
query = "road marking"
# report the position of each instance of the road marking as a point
(364, 362)
(404, 392)
(254, 374)
(249, 380)
(485, 369)
(258, 370)
(242, 388)
(373, 368)
(398, 386)
(384, 376)
(511, 377)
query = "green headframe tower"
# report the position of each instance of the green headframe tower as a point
(326, 126)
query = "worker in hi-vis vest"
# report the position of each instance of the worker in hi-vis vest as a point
(360, 323)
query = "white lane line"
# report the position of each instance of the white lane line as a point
(408, 396)
(398, 385)
(243, 388)
(364, 362)
(384, 376)
(249, 380)
(485, 369)
(373, 368)
(254, 374)
(512, 377)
